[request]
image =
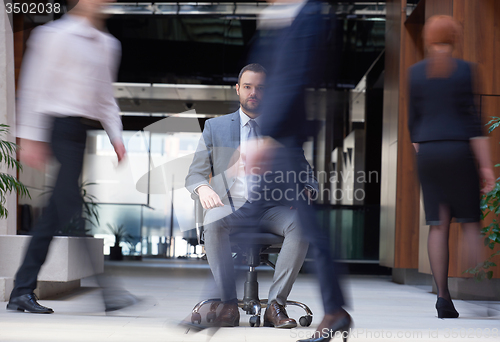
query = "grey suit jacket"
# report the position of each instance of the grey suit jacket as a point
(217, 151)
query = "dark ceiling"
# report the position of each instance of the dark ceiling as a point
(211, 49)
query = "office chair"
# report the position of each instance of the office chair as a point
(256, 253)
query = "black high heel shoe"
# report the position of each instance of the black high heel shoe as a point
(445, 308)
(339, 328)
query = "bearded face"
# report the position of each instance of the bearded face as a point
(250, 90)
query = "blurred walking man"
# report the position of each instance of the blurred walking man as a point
(295, 62)
(65, 90)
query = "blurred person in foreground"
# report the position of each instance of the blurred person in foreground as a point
(296, 59)
(65, 90)
(446, 131)
(230, 209)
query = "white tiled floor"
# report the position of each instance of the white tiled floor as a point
(382, 311)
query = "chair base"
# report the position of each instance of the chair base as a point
(256, 254)
(252, 307)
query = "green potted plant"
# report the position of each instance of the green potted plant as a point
(9, 183)
(131, 244)
(90, 214)
(490, 203)
(121, 234)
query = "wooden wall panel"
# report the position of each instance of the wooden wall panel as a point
(390, 134)
(481, 36)
(400, 189)
(434, 7)
(18, 43)
(478, 21)
(400, 194)
(408, 190)
(495, 71)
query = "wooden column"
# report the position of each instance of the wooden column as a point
(399, 189)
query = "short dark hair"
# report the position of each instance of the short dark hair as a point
(255, 67)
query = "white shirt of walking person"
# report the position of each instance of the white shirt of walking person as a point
(68, 70)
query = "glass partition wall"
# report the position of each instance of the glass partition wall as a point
(147, 212)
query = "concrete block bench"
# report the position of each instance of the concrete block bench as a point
(69, 260)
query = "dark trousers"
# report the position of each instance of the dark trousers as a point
(67, 142)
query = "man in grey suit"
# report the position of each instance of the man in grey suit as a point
(226, 198)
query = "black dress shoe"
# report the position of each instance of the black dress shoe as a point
(27, 302)
(339, 328)
(445, 309)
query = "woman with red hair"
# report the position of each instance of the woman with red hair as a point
(446, 131)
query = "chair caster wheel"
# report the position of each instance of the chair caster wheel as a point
(255, 321)
(215, 305)
(211, 317)
(195, 318)
(305, 321)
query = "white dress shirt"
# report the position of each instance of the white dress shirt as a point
(68, 70)
(240, 188)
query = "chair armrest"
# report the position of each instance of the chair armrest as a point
(198, 218)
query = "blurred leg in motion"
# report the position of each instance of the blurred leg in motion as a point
(437, 246)
(472, 234)
(287, 161)
(68, 145)
(114, 296)
(68, 140)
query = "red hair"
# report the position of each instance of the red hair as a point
(441, 29)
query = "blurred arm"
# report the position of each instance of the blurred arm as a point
(34, 153)
(481, 148)
(297, 64)
(44, 49)
(201, 167)
(108, 108)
